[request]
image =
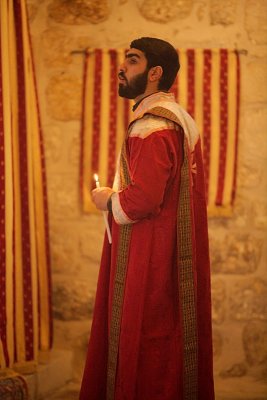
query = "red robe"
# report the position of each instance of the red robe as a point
(151, 331)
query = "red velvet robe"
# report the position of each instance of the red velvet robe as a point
(151, 351)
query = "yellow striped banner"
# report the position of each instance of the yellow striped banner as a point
(25, 293)
(207, 86)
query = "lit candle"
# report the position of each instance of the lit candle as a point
(104, 212)
(96, 181)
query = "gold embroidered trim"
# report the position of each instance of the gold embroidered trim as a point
(186, 285)
(119, 285)
(117, 304)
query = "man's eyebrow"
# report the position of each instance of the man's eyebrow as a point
(129, 55)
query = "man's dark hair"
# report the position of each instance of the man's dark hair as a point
(159, 52)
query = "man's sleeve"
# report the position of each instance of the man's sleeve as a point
(151, 160)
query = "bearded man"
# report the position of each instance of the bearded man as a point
(151, 330)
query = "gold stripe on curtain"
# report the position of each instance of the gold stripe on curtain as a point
(26, 300)
(215, 123)
(38, 205)
(207, 86)
(7, 289)
(232, 126)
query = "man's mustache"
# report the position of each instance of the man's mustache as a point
(122, 76)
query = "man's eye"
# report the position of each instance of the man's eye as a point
(133, 61)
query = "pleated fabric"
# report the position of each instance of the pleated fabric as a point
(25, 291)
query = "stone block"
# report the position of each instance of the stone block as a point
(70, 391)
(74, 151)
(62, 148)
(242, 212)
(217, 342)
(259, 214)
(54, 374)
(91, 240)
(253, 125)
(67, 333)
(201, 10)
(165, 11)
(255, 343)
(63, 248)
(240, 388)
(57, 45)
(72, 300)
(218, 295)
(64, 97)
(255, 21)
(248, 300)
(63, 197)
(80, 347)
(254, 81)
(250, 174)
(223, 12)
(51, 375)
(77, 12)
(73, 335)
(52, 143)
(235, 371)
(235, 253)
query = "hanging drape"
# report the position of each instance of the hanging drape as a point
(25, 306)
(207, 86)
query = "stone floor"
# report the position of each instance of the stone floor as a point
(245, 388)
(68, 392)
(230, 389)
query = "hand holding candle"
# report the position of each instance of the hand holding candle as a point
(104, 212)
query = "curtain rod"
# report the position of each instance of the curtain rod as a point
(84, 51)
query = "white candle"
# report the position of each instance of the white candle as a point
(104, 212)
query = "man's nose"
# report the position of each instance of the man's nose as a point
(122, 67)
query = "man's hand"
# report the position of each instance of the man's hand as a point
(100, 197)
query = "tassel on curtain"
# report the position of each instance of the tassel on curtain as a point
(207, 86)
(25, 291)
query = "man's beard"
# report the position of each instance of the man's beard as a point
(135, 87)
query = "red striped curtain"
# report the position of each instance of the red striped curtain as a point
(25, 304)
(207, 86)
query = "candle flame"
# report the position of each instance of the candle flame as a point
(96, 177)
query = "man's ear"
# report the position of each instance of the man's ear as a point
(155, 73)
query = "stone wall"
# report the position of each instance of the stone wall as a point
(238, 244)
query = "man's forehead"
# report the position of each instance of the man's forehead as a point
(134, 53)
